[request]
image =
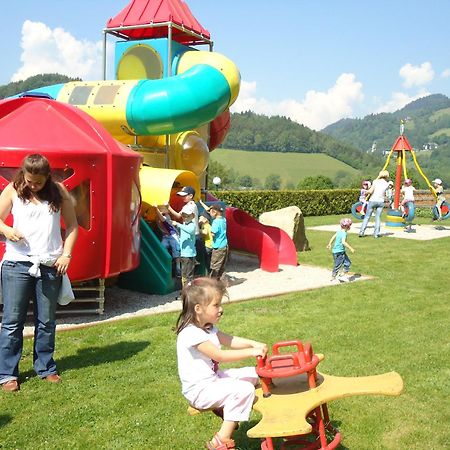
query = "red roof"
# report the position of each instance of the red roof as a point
(150, 12)
(50, 126)
(402, 143)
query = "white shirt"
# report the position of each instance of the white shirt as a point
(41, 229)
(408, 193)
(194, 368)
(194, 206)
(379, 189)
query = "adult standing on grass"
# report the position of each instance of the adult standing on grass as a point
(377, 193)
(33, 264)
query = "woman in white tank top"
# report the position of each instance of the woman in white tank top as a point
(33, 264)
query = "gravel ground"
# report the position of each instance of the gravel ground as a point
(250, 283)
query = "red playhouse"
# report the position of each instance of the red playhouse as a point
(101, 174)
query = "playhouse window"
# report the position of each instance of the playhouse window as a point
(80, 95)
(8, 172)
(106, 95)
(135, 205)
(82, 200)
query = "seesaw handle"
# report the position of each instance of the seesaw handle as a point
(295, 343)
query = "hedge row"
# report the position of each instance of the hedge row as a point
(311, 203)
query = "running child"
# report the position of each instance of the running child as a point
(230, 392)
(340, 257)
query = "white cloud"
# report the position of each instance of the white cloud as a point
(56, 51)
(317, 110)
(398, 100)
(445, 73)
(416, 75)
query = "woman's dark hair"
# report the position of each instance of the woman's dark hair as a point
(38, 165)
(199, 291)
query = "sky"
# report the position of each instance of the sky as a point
(314, 61)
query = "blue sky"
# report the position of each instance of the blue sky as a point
(316, 61)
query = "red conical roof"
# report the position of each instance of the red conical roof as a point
(151, 12)
(402, 143)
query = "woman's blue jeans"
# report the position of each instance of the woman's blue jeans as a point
(378, 208)
(18, 287)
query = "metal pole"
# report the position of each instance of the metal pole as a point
(104, 55)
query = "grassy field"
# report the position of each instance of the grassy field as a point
(292, 166)
(121, 391)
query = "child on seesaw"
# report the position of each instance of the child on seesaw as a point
(230, 392)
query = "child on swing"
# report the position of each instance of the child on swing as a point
(408, 195)
(365, 186)
(230, 392)
(440, 198)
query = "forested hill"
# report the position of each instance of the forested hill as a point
(254, 132)
(428, 121)
(34, 82)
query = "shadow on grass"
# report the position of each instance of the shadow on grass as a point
(244, 442)
(4, 420)
(95, 356)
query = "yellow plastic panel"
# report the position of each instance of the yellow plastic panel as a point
(140, 62)
(156, 184)
(284, 412)
(112, 113)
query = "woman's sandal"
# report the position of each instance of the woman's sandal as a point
(216, 443)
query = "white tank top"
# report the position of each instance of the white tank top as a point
(41, 229)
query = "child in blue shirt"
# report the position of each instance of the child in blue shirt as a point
(340, 257)
(219, 254)
(187, 243)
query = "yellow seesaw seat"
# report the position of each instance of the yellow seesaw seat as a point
(284, 412)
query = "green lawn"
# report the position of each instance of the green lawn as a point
(121, 391)
(293, 166)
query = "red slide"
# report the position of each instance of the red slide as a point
(272, 245)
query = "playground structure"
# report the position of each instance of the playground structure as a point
(293, 398)
(401, 148)
(168, 107)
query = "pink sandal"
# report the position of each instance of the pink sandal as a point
(216, 443)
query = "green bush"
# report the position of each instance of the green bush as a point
(311, 203)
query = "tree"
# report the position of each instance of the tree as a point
(34, 82)
(246, 181)
(273, 182)
(316, 183)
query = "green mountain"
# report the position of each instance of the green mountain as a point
(427, 121)
(254, 132)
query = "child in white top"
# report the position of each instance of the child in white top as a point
(408, 194)
(440, 198)
(228, 392)
(365, 186)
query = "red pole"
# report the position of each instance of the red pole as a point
(398, 180)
